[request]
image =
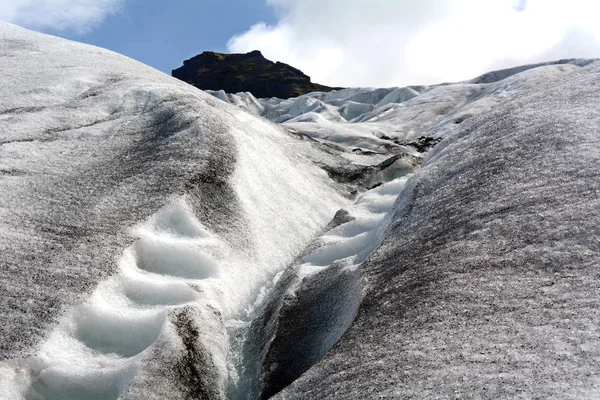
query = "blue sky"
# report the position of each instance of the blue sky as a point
(163, 33)
(378, 43)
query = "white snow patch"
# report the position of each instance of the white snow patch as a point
(353, 241)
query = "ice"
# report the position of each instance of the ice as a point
(485, 284)
(177, 219)
(139, 215)
(174, 259)
(110, 331)
(351, 109)
(399, 95)
(327, 277)
(352, 238)
(317, 299)
(146, 291)
(160, 242)
(221, 95)
(60, 383)
(338, 250)
(401, 113)
(174, 246)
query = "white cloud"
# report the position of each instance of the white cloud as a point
(402, 42)
(76, 15)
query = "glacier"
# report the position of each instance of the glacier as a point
(486, 283)
(158, 241)
(138, 214)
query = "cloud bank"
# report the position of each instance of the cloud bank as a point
(402, 42)
(59, 15)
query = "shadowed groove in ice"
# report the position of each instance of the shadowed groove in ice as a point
(319, 304)
(182, 260)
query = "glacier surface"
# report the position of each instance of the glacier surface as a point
(137, 215)
(420, 242)
(486, 284)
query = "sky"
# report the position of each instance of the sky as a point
(379, 43)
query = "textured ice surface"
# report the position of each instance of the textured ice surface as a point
(357, 118)
(487, 284)
(158, 243)
(317, 298)
(137, 214)
(309, 306)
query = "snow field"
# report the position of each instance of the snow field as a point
(206, 266)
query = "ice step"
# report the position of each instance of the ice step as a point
(175, 259)
(123, 332)
(72, 382)
(145, 292)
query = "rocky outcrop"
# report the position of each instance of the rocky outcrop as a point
(249, 72)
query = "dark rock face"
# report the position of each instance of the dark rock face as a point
(249, 72)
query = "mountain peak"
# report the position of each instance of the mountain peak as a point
(246, 72)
